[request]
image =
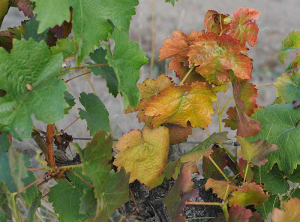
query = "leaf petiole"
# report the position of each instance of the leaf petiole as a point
(186, 75)
(223, 174)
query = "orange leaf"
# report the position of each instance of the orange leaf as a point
(243, 26)
(253, 194)
(177, 45)
(222, 188)
(212, 22)
(144, 154)
(180, 104)
(178, 134)
(149, 89)
(216, 55)
(290, 212)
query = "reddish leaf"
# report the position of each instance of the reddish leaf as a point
(243, 26)
(7, 36)
(209, 170)
(216, 55)
(222, 188)
(177, 45)
(180, 104)
(290, 212)
(24, 6)
(181, 192)
(239, 214)
(242, 165)
(248, 95)
(256, 217)
(149, 89)
(62, 31)
(238, 118)
(255, 153)
(214, 21)
(252, 194)
(144, 154)
(182, 68)
(296, 104)
(179, 134)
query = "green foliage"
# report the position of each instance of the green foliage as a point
(95, 113)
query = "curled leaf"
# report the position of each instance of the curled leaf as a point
(214, 22)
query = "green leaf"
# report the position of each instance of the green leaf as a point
(274, 181)
(88, 203)
(70, 100)
(267, 207)
(105, 71)
(95, 158)
(65, 46)
(5, 209)
(290, 43)
(34, 206)
(126, 60)
(95, 114)
(30, 84)
(288, 87)
(4, 143)
(279, 125)
(31, 27)
(172, 1)
(65, 197)
(87, 34)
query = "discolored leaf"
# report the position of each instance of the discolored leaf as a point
(68, 210)
(149, 89)
(243, 26)
(290, 212)
(243, 166)
(24, 6)
(7, 36)
(181, 191)
(288, 87)
(255, 153)
(279, 125)
(267, 207)
(180, 104)
(148, 149)
(209, 170)
(214, 22)
(237, 116)
(222, 188)
(126, 60)
(290, 43)
(30, 63)
(239, 214)
(178, 134)
(216, 55)
(252, 194)
(87, 35)
(296, 104)
(105, 71)
(95, 113)
(178, 46)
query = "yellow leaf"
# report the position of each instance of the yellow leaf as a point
(144, 154)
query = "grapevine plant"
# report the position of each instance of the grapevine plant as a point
(252, 182)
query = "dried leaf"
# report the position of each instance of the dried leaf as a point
(212, 22)
(178, 134)
(180, 104)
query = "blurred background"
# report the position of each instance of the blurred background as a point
(154, 21)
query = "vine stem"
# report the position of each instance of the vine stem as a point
(49, 144)
(226, 104)
(219, 116)
(94, 65)
(265, 84)
(246, 172)
(77, 76)
(71, 123)
(186, 75)
(52, 169)
(214, 163)
(203, 203)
